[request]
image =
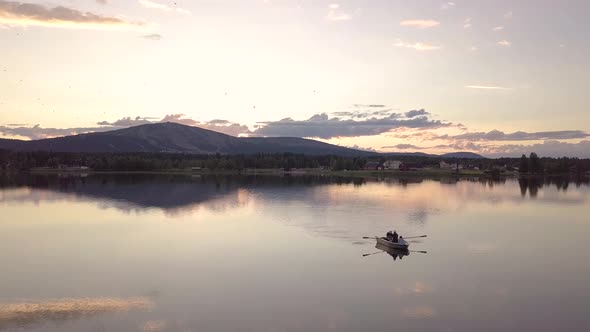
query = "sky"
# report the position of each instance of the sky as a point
(496, 77)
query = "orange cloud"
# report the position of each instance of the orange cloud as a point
(14, 13)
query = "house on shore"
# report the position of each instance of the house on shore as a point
(445, 165)
(373, 166)
(392, 164)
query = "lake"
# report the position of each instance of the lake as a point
(262, 253)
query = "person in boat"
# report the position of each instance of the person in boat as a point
(394, 237)
(389, 236)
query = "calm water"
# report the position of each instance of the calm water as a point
(177, 253)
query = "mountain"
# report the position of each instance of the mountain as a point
(178, 138)
(463, 155)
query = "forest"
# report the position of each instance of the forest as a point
(25, 161)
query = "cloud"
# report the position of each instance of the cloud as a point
(496, 135)
(403, 147)
(356, 147)
(486, 87)
(467, 23)
(102, 2)
(368, 105)
(508, 15)
(447, 5)
(549, 148)
(179, 118)
(160, 6)
(414, 113)
(37, 132)
(498, 28)
(153, 36)
(362, 111)
(126, 122)
(422, 24)
(418, 46)
(336, 14)
(322, 126)
(14, 13)
(504, 43)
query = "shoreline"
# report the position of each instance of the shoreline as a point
(430, 173)
(433, 173)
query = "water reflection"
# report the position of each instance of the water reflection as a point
(277, 253)
(534, 184)
(394, 253)
(177, 193)
(25, 314)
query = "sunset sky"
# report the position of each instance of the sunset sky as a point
(496, 77)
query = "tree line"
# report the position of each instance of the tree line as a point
(23, 161)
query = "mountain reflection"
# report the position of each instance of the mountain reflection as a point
(179, 193)
(171, 193)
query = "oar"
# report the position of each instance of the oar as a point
(415, 237)
(373, 253)
(409, 237)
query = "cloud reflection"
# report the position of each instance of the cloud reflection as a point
(419, 312)
(26, 313)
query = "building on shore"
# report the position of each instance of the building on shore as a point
(392, 164)
(373, 166)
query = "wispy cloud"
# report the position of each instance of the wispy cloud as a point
(364, 111)
(467, 23)
(13, 13)
(418, 46)
(336, 14)
(447, 5)
(487, 87)
(102, 2)
(508, 15)
(422, 24)
(497, 135)
(153, 36)
(498, 28)
(160, 6)
(504, 43)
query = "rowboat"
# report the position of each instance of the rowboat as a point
(401, 244)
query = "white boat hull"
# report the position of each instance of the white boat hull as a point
(401, 244)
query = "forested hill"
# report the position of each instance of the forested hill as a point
(178, 138)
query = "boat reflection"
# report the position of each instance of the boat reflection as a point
(394, 253)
